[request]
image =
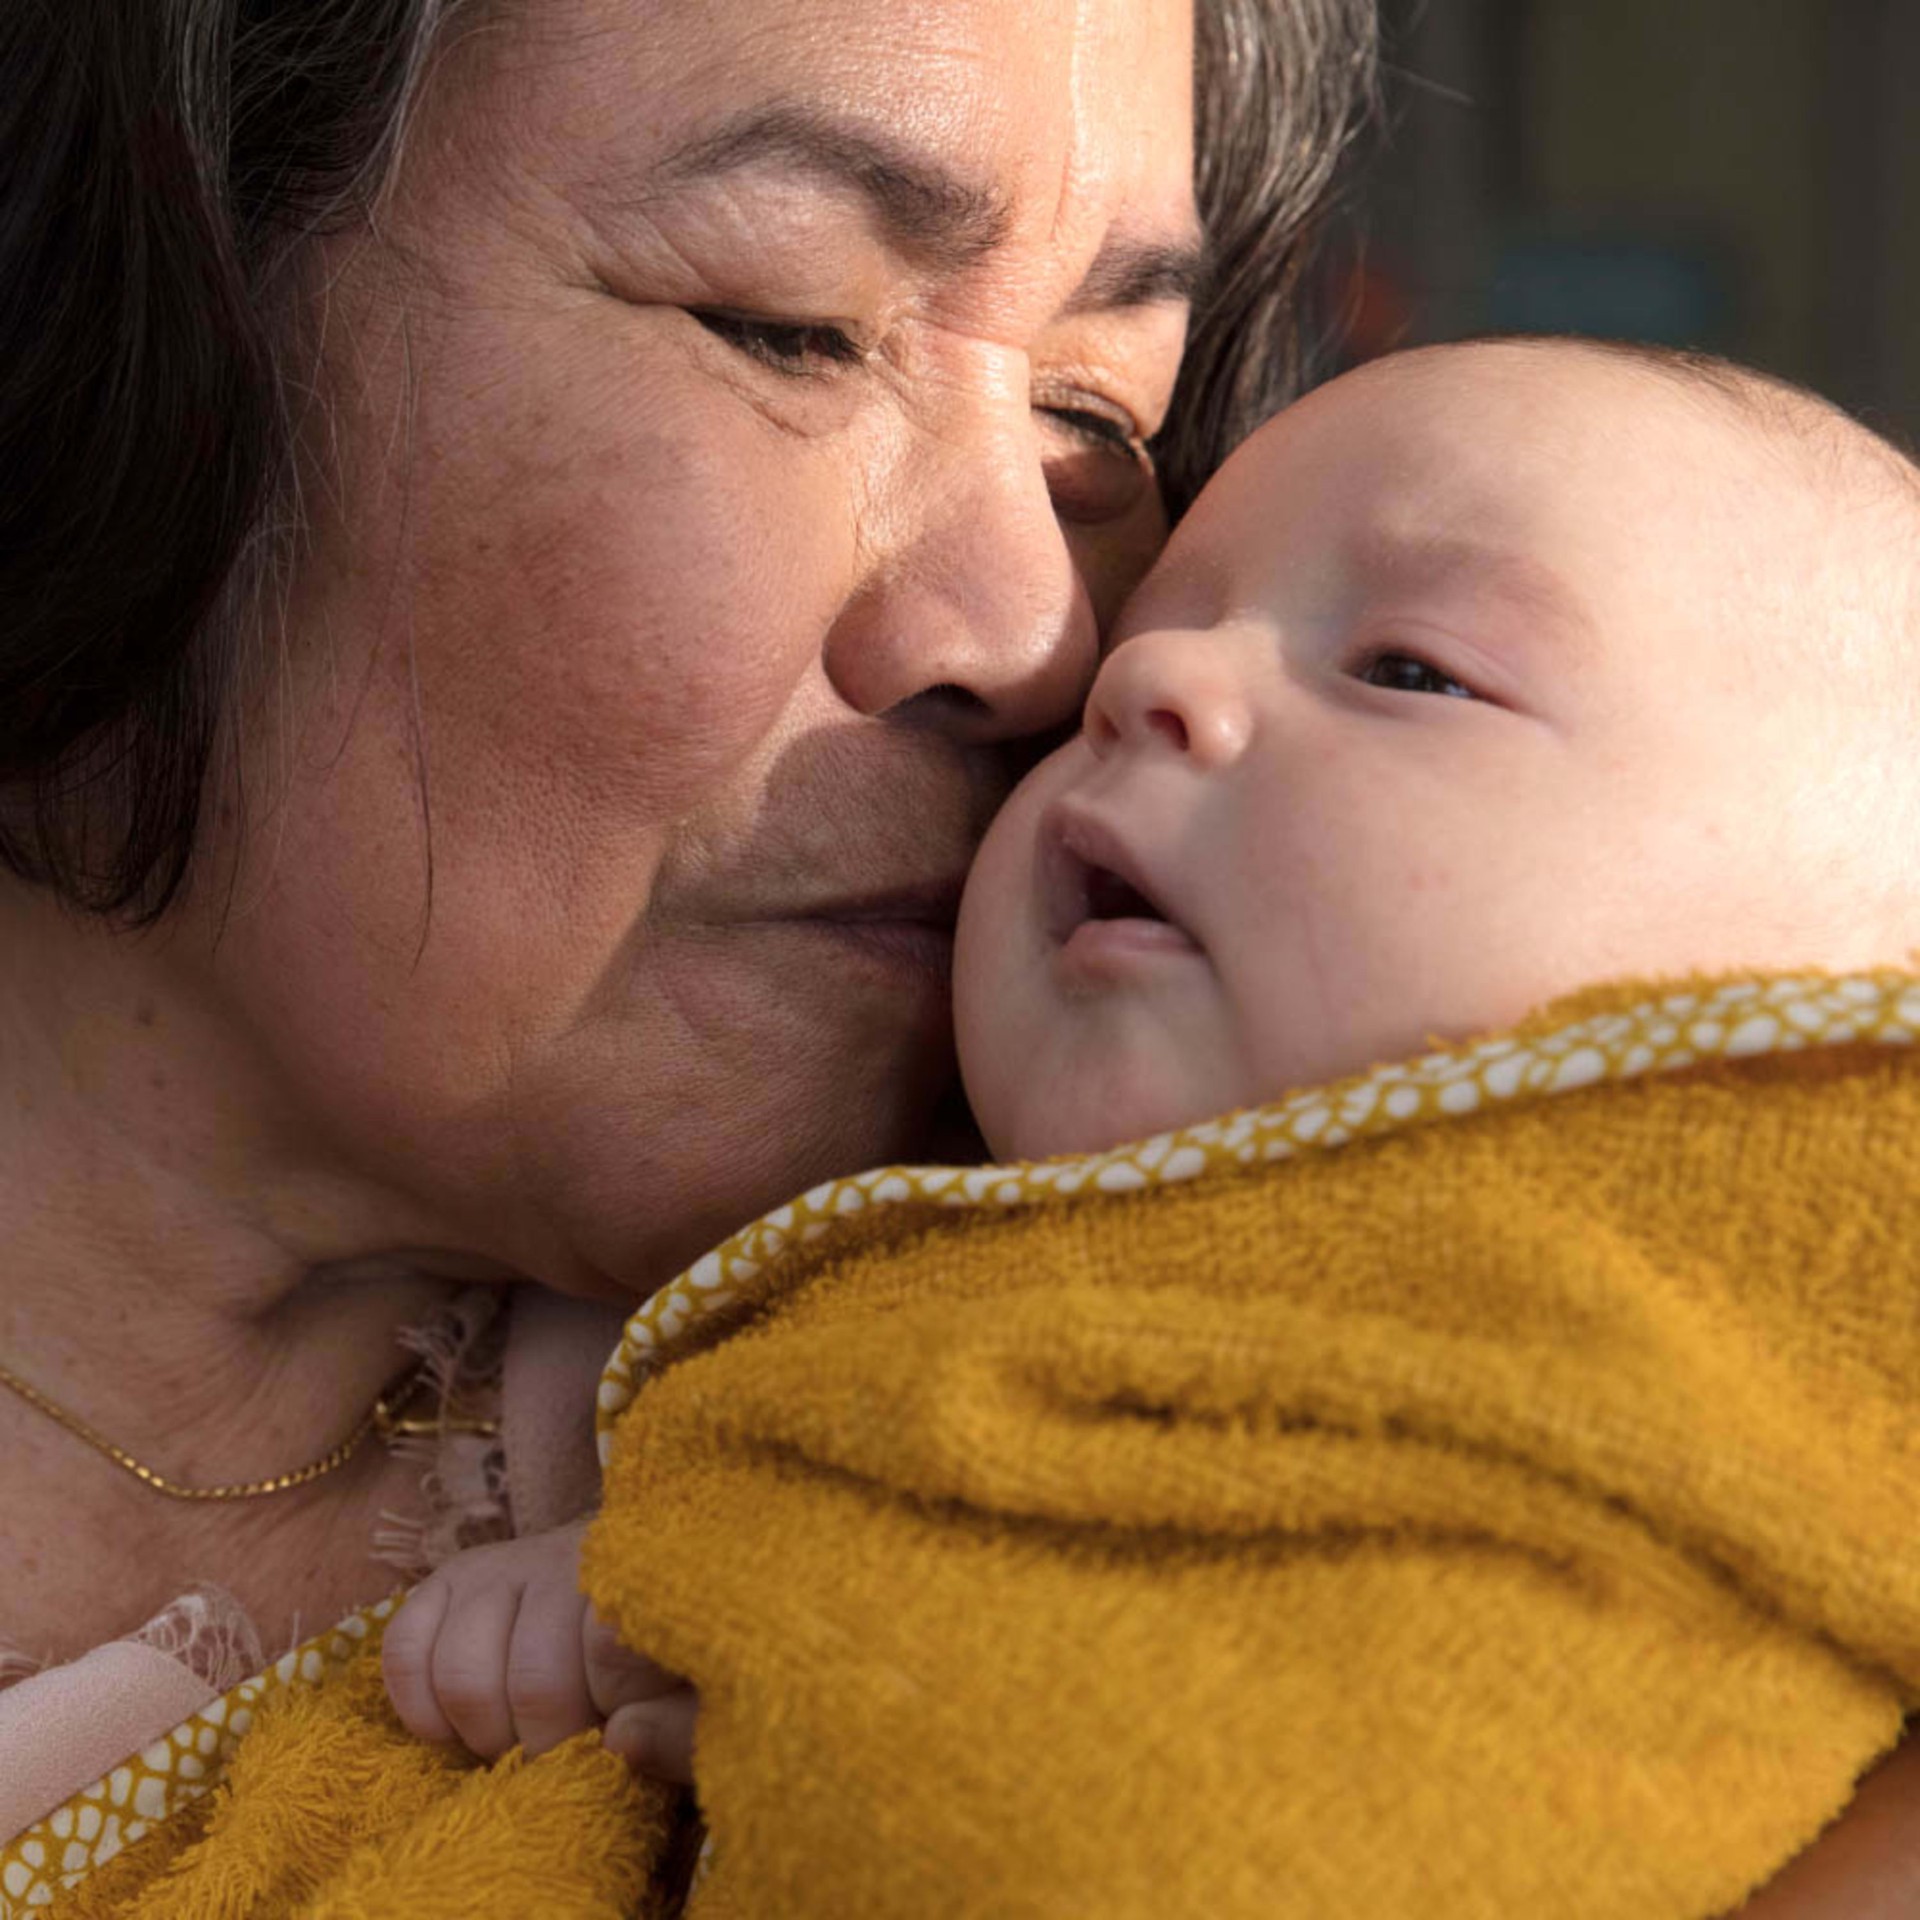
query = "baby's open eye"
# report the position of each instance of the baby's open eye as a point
(1407, 673)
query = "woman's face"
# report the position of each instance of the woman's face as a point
(730, 451)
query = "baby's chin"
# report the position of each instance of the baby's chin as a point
(1053, 1129)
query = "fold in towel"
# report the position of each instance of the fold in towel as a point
(1508, 1515)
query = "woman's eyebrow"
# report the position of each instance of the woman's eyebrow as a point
(1140, 273)
(924, 207)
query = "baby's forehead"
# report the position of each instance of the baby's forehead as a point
(1482, 447)
(1694, 461)
(1612, 402)
(1677, 503)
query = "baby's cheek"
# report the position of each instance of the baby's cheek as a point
(987, 1005)
(1001, 983)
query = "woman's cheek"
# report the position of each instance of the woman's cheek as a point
(659, 584)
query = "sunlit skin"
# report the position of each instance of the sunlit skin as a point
(1480, 675)
(1523, 642)
(725, 452)
(771, 464)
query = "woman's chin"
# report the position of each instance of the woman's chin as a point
(644, 1143)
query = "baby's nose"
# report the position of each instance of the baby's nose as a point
(1172, 690)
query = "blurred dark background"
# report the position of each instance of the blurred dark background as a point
(1741, 175)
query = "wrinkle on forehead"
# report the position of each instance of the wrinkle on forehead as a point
(1056, 133)
(925, 208)
(1098, 46)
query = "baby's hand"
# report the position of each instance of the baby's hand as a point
(500, 1648)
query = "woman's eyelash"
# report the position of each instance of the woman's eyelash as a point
(1100, 430)
(1408, 673)
(800, 346)
(788, 346)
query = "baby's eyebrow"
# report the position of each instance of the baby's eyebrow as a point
(1427, 561)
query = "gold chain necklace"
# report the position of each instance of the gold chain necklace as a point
(384, 1417)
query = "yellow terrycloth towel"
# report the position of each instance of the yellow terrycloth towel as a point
(1510, 1516)
(330, 1810)
(1509, 1513)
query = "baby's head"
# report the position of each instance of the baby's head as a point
(1482, 674)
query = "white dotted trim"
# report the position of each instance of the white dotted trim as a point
(1738, 1019)
(106, 1818)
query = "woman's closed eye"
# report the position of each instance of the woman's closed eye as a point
(1101, 431)
(797, 347)
(1100, 466)
(1408, 673)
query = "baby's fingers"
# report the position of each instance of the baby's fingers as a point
(546, 1668)
(617, 1676)
(406, 1661)
(468, 1668)
(650, 1712)
(655, 1737)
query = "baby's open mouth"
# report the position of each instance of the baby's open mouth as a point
(1100, 896)
(1116, 923)
(1109, 897)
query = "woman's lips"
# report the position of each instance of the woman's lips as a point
(906, 931)
(899, 946)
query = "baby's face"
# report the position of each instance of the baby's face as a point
(1475, 677)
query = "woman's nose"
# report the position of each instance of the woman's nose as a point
(973, 613)
(1176, 690)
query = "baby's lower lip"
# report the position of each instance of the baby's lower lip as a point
(1098, 947)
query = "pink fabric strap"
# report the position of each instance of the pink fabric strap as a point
(62, 1729)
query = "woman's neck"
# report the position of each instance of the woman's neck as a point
(183, 1276)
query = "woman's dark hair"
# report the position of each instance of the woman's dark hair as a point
(1281, 88)
(161, 164)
